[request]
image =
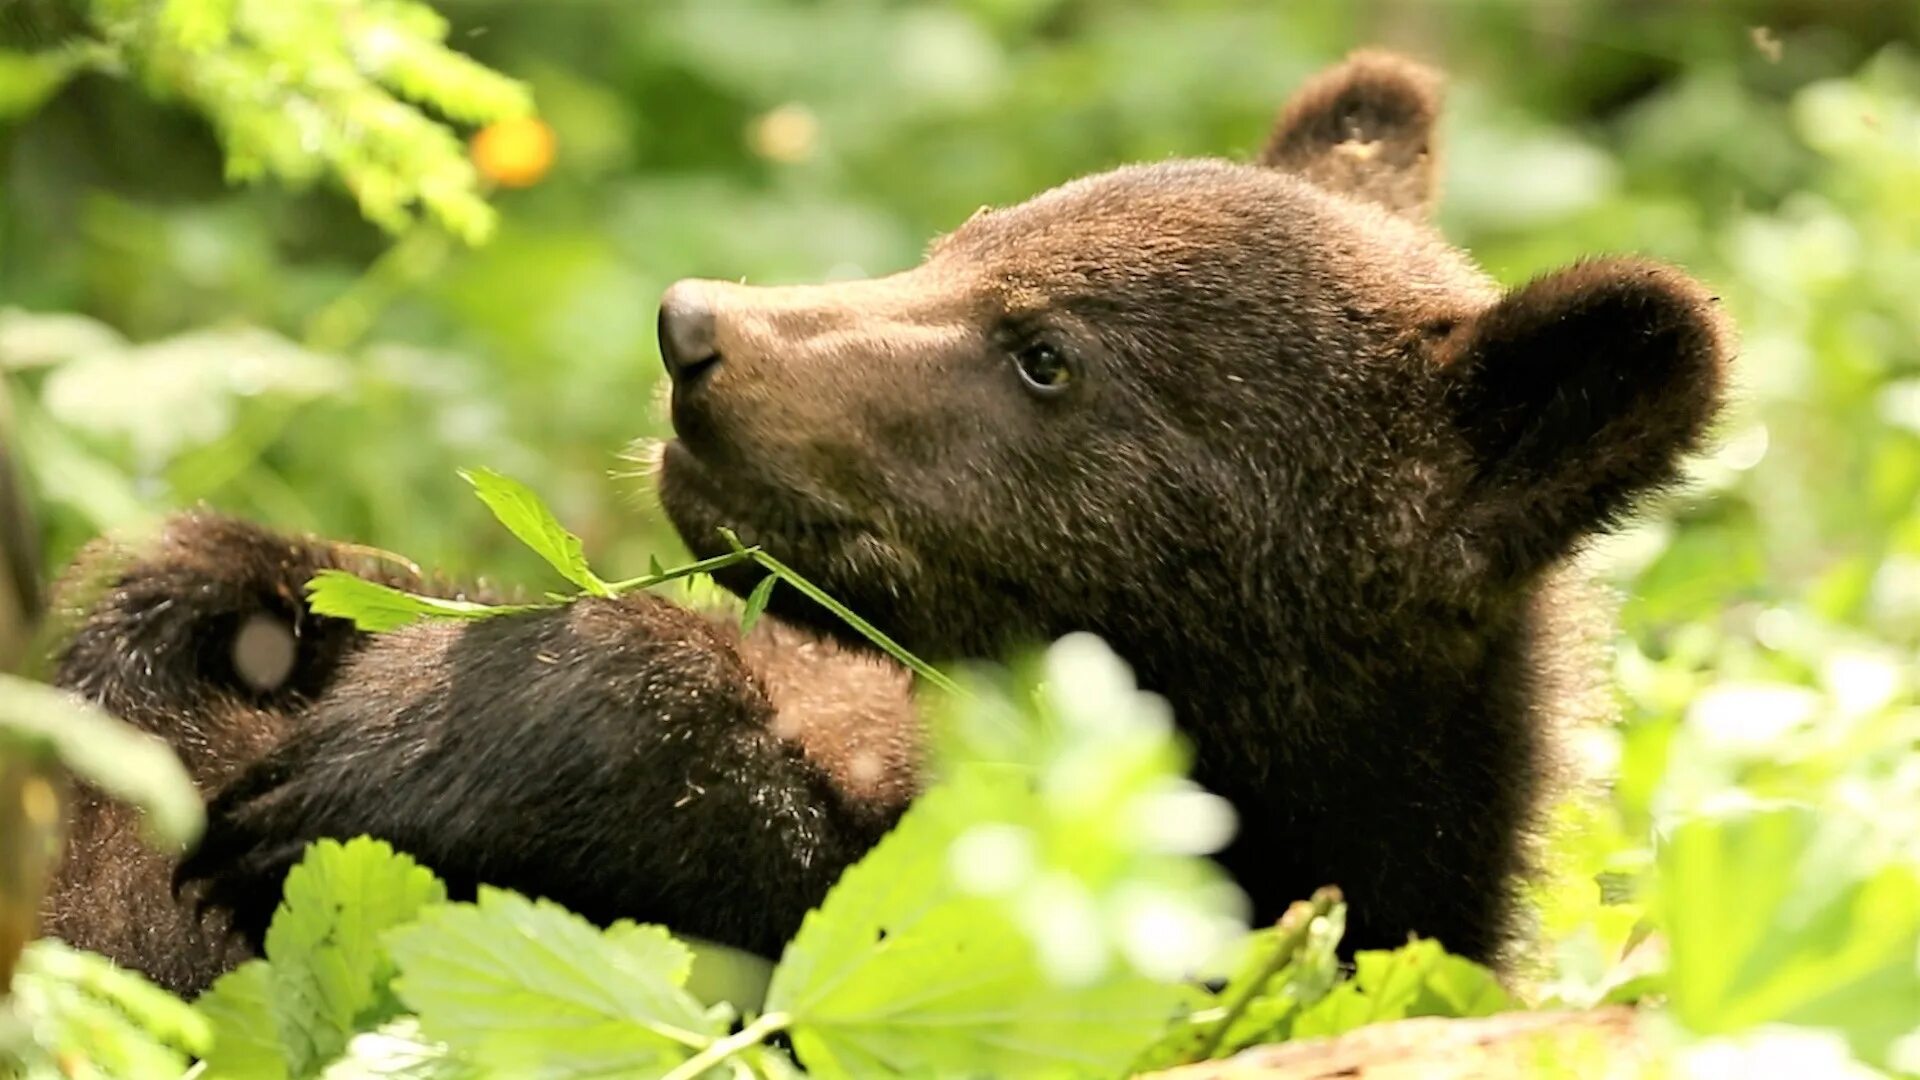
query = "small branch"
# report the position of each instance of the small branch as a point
(722, 1049)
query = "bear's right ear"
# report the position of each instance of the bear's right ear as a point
(1366, 129)
(1575, 396)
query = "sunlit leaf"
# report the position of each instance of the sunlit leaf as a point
(757, 603)
(521, 511)
(1771, 921)
(375, 607)
(524, 985)
(329, 968)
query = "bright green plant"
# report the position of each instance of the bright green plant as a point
(303, 89)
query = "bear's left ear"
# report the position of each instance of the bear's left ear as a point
(1577, 395)
(1366, 129)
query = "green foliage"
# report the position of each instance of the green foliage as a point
(300, 89)
(246, 1039)
(530, 989)
(37, 720)
(376, 607)
(339, 984)
(1743, 860)
(910, 967)
(379, 608)
(1775, 919)
(756, 603)
(73, 1014)
(526, 517)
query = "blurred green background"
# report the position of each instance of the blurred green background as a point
(170, 338)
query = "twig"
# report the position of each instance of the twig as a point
(721, 1049)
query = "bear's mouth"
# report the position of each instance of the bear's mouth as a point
(826, 544)
(701, 497)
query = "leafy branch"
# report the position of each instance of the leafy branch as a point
(377, 608)
(303, 89)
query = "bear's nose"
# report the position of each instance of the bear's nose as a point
(687, 334)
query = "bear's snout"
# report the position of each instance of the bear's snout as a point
(689, 338)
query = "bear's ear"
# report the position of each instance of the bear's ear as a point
(1577, 395)
(1364, 128)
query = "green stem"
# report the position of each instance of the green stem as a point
(1294, 926)
(866, 629)
(721, 1049)
(648, 581)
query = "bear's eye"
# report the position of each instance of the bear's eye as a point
(1044, 368)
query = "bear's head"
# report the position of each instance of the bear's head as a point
(1250, 418)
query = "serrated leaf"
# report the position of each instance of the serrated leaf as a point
(126, 763)
(377, 608)
(240, 1007)
(534, 990)
(329, 966)
(757, 603)
(515, 505)
(899, 972)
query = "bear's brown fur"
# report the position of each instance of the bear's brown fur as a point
(1300, 462)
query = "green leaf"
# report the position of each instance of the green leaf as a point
(532, 989)
(1454, 986)
(329, 966)
(125, 763)
(757, 603)
(900, 972)
(721, 973)
(1769, 922)
(516, 506)
(377, 608)
(1417, 979)
(97, 1020)
(246, 1045)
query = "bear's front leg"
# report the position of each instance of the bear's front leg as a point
(615, 756)
(200, 633)
(197, 633)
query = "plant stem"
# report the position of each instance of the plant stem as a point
(721, 1049)
(1293, 926)
(648, 581)
(866, 629)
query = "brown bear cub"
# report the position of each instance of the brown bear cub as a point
(1258, 426)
